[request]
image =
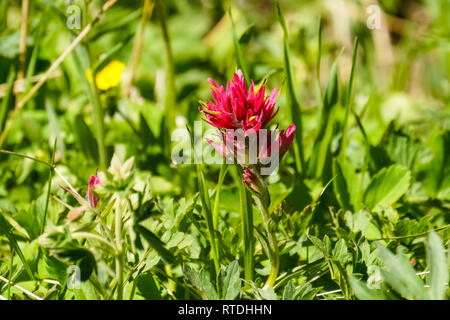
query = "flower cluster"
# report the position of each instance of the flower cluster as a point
(239, 108)
(242, 116)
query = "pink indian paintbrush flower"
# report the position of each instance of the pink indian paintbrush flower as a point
(237, 107)
(235, 145)
(93, 200)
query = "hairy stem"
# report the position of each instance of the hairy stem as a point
(247, 230)
(262, 201)
(119, 248)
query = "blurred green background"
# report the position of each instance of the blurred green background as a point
(400, 101)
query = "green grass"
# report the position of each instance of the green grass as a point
(359, 206)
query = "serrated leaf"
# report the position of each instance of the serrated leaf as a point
(340, 252)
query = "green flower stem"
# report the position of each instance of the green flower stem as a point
(274, 255)
(223, 171)
(262, 201)
(119, 250)
(209, 219)
(247, 231)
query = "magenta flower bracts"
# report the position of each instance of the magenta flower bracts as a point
(242, 117)
(268, 145)
(93, 200)
(239, 108)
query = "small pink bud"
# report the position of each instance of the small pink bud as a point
(93, 200)
(286, 138)
(252, 181)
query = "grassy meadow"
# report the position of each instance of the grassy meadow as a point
(94, 206)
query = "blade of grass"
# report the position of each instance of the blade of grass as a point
(82, 63)
(5, 228)
(32, 63)
(7, 99)
(156, 244)
(25, 156)
(109, 55)
(292, 102)
(321, 145)
(206, 208)
(319, 57)
(170, 97)
(246, 211)
(50, 177)
(10, 272)
(347, 102)
(137, 46)
(222, 174)
(237, 49)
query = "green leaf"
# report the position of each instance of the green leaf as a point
(267, 294)
(85, 138)
(289, 291)
(437, 172)
(147, 137)
(362, 221)
(341, 187)
(82, 258)
(237, 49)
(321, 149)
(148, 287)
(246, 212)
(155, 243)
(399, 273)
(231, 282)
(6, 229)
(294, 106)
(200, 280)
(247, 34)
(340, 252)
(109, 56)
(438, 267)
(344, 131)
(362, 292)
(387, 186)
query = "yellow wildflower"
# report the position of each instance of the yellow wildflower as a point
(109, 76)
